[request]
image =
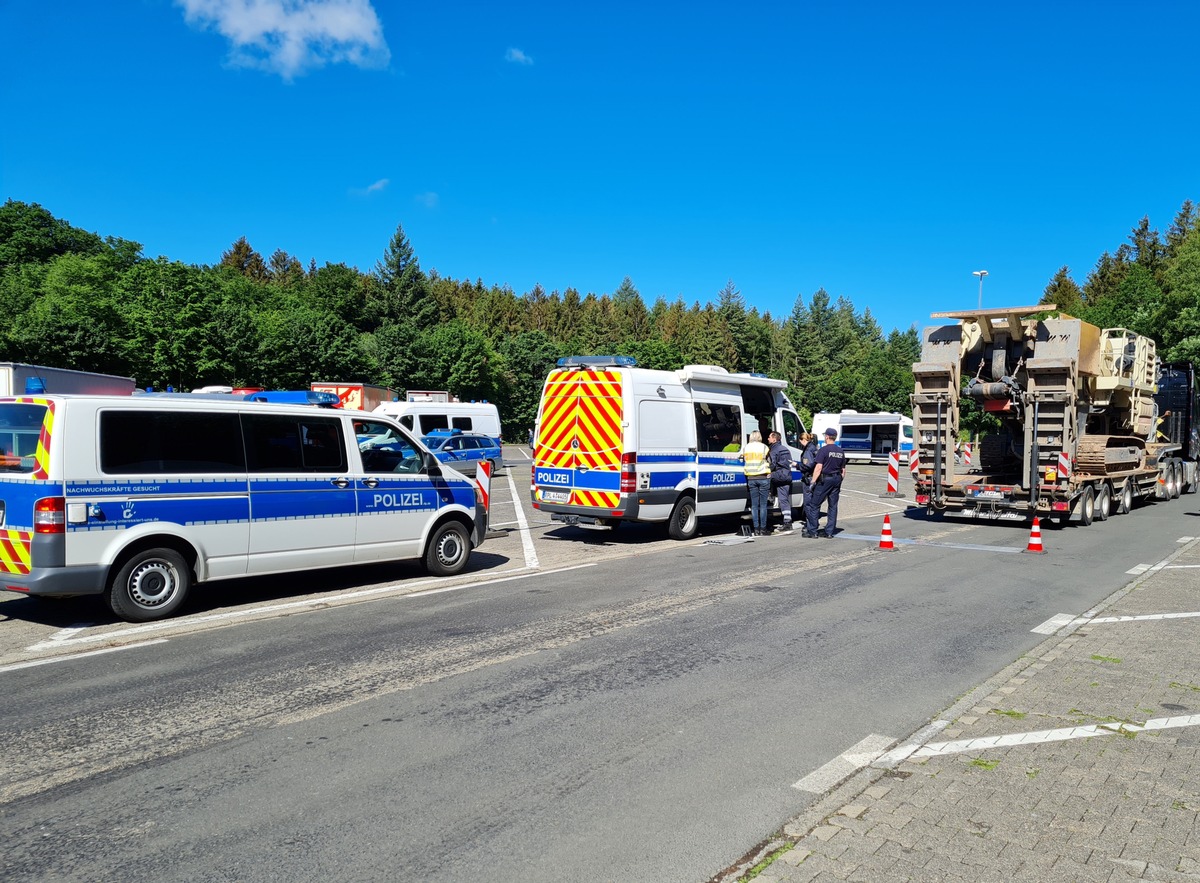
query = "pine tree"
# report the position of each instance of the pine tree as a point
(246, 261)
(1064, 293)
(406, 292)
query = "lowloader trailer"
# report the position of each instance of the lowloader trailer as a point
(1085, 428)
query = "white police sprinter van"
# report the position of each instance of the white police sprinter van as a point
(620, 443)
(139, 497)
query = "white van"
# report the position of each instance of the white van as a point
(620, 443)
(868, 438)
(424, 417)
(139, 497)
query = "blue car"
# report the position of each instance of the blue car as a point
(464, 451)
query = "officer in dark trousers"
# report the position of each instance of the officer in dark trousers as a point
(827, 475)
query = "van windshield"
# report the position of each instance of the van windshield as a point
(20, 427)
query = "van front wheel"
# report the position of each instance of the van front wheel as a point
(151, 585)
(684, 523)
(448, 550)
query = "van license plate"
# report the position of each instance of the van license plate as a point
(556, 496)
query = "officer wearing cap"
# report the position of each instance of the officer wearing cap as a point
(828, 469)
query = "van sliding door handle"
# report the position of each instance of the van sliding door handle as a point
(342, 482)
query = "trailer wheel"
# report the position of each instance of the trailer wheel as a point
(1104, 502)
(1087, 506)
(1125, 497)
(1176, 483)
(684, 523)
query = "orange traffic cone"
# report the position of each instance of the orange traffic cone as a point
(1035, 538)
(885, 536)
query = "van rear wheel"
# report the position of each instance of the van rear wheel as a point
(449, 550)
(150, 585)
(684, 523)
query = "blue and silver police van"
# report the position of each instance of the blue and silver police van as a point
(140, 498)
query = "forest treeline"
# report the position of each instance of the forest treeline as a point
(77, 299)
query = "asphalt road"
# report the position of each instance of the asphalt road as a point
(629, 708)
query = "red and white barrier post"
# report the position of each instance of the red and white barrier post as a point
(914, 462)
(893, 475)
(483, 478)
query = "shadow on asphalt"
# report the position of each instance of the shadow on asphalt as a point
(225, 595)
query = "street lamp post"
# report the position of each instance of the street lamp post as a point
(980, 274)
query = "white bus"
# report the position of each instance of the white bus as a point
(868, 438)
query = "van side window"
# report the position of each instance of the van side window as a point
(383, 449)
(717, 426)
(463, 423)
(276, 443)
(167, 442)
(407, 421)
(430, 422)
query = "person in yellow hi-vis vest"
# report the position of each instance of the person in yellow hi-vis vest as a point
(758, 479)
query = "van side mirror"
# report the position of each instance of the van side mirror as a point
(430, 464)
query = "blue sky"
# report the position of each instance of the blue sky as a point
(882, 151)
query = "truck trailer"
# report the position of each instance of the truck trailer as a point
(358, 396)
(1084, 427)
(17, 378)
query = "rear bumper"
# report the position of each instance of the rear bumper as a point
(87, 580)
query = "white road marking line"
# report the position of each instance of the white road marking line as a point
(492, 582)
(1180, 566)
(902, 541)
(1054, 623)
(893, 758)
(844, 765)
(1041, 737)
(1138, 569)
(1185, 539)
(70, 631)
(313, 603)
(531, 558)
(36, 662)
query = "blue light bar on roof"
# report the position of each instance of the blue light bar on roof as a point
(597, 362)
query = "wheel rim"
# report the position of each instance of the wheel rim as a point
(1104, 504)
(153, 584)
(687, 518)
(1089, 508)
(1127, 497)
(450, 548)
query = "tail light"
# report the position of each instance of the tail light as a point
(50, 515)
(628, 473)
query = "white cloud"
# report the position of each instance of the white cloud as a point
(289, 37)
(429, 199)
(516, 56)
(378, 186)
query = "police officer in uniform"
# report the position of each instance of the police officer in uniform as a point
(827, 475)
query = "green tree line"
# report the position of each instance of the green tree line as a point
(80, 300)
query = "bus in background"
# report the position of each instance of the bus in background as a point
(867, 438)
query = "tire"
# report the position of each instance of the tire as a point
(150, 585)
(684, 523)
(1087, 506)
(449, 549)
(1125, 498)
(493, 467)
(1104, 502)
(1176, 483)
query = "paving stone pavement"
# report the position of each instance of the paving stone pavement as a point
(1104, 784)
